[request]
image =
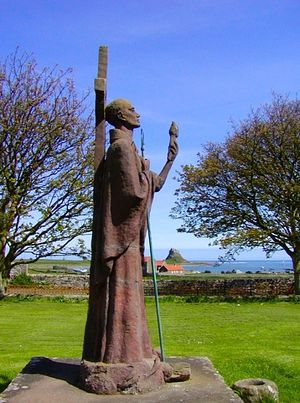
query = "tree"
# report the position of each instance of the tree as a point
(245, 192)
(46, 162)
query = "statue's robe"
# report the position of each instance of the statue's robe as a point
(116, 329)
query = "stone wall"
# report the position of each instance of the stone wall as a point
(236, 287)
(63, 280)
(222, 287)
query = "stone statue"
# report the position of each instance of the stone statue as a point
(116, 330)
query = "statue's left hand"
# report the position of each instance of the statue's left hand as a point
(173, 131)
(173, 146)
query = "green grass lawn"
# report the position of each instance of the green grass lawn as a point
(244, 339)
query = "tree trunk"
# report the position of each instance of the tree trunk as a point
(296, 267)
(3, 284)
(3, 279)
(297, 282)
(4, 274)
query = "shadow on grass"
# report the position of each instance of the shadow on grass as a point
(4, 382)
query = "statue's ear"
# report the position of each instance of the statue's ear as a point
(120, 115)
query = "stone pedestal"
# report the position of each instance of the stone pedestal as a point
(139, 377)
(48, 380)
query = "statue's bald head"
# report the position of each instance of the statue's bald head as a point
(114, 110)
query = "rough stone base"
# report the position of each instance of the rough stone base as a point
(46, 380)
(139, 377)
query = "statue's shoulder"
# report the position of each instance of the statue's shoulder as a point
(120, 145)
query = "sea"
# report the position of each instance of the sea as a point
(242, 266)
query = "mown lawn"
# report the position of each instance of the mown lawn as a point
(243, 339)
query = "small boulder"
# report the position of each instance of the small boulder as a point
(256, 390)
(181, 372)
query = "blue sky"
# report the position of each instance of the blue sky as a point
(200, 63)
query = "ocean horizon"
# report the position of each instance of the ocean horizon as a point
(263, 266)
(253, 260)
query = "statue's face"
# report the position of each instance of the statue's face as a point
(129, 115)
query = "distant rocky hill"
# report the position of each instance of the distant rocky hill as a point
(174, 257)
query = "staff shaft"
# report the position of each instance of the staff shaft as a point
(155, 288)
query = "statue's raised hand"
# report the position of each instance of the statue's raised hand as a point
(173, 131)
(173, 146)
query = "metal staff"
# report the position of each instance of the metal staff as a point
(161, 341)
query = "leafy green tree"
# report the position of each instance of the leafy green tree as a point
(46, 162)
(245, 192)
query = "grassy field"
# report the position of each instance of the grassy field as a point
(51, 266)
(244, 339)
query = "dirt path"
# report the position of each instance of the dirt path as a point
(46, 291)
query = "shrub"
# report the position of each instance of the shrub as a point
(22, 279)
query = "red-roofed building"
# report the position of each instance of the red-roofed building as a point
(147, 268)
(159, 263)
(171, 269)
(161, 267)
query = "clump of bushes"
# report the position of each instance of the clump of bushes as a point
(22, 279)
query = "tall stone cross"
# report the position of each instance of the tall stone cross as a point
(100, 99)
(100, 90)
